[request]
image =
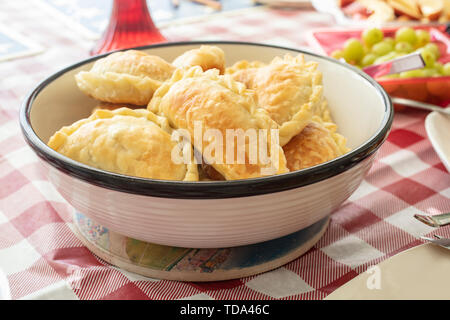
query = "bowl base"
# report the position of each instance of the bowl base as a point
(187, 264)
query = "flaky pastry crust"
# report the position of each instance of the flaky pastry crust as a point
(288, 88)
(207, 57)
(115, 106)
(244, 65)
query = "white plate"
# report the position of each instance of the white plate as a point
(332, 7)
(437, 126)
(422, 272)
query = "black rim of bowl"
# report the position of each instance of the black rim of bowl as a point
(204, 189)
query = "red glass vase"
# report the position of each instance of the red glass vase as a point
(130, 25)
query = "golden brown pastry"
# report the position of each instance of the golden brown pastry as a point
(207, 173)
(125, 77)
(317, 143)
(115, 106)
(207, 57)
(288, 88)
(131, 142)
(322, 111)
(193, 98)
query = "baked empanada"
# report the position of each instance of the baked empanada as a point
(288, 88)
(125, 77)
(215, 103)
(318, 142)
(131, 142)
(207, 57)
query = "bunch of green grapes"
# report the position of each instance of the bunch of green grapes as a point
(374, 48)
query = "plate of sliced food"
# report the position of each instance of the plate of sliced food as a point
(386, 12)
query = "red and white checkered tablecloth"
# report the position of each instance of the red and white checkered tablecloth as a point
(42, 258)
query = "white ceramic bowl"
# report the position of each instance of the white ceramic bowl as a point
(212, 214)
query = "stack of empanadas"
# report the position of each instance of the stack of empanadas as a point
(194, 119)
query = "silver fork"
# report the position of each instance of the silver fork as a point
(437, 220)
(440, 241)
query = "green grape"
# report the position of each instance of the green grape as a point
(353, 50)
(423, 37)
(382, 48)
(406, 34)
(368, 59)
(372, 36)
(446, 69)
(434, 49)
(430, 72)
(419, 73)
(403, 46)
(439, 67)
(391, 55)
(390, 40)
(337, 54)
(366, 50)
(392, 76)
(428, 57)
